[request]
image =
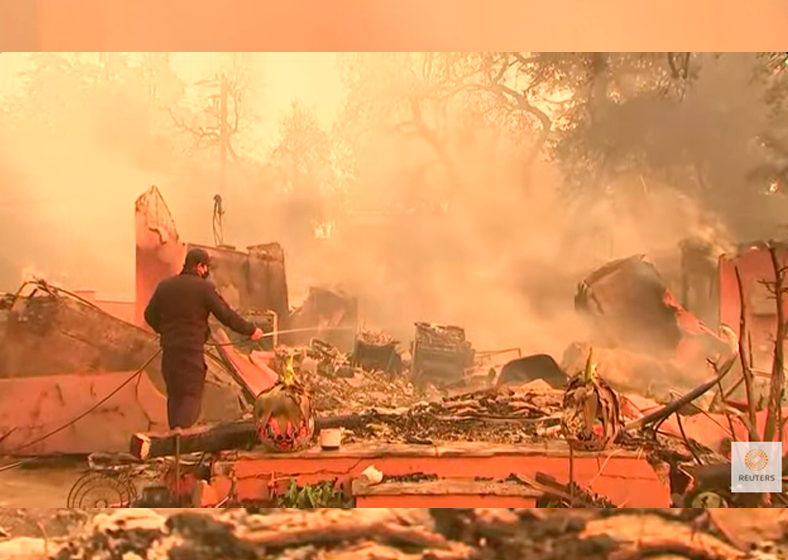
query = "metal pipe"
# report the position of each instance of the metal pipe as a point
(274, 325)
(178, 466)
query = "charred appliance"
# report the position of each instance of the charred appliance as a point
(441, 354)
(374, 351)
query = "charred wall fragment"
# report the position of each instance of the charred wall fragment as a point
(60, 356)
(48, 332)
(252, 281)
(159, 252)
(626, 300)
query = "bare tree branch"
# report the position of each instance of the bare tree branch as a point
(198, 132)
(211, 135)
(777, 382)
(745, 365)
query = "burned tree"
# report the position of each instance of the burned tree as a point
(745, 360)
(419, 101)
(217, 124)
(221, 116)
(778, 288)
(302, 176)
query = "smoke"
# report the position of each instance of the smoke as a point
(503, 260)
(72, 210)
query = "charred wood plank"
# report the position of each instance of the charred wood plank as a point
(241, 434)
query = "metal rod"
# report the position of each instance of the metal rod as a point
(178, 466)
(275, 326)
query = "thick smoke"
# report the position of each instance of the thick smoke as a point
(503, 261)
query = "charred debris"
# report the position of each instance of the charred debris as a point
(442, 389)
(652, 378)
(408, 534)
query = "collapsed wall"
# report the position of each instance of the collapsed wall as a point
(159, 252)
(70, 380)
(251, 281)
(62, 357)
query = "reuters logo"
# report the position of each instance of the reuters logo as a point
(756, 459)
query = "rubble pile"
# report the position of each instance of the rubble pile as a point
(345, 395)
(342, 383)
(330, 362)
(411, 534)
(373, 375)
(494, 416)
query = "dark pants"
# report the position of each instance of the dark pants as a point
(184, 376)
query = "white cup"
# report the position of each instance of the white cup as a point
(331, 438)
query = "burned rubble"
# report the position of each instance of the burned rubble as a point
(377, 351)
(376, 376)
(523, 414)
(409, 534)
(363, 378)
(441, 354)
(435, 396)
(491, 416)
(442, 390)
(381, 393)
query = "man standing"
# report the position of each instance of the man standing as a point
(178, 311)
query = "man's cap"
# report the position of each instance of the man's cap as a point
(197, 256)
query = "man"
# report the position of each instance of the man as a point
(178, 311)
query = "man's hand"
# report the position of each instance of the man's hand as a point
(257, 334)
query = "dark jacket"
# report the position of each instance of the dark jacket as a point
(179, 311)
